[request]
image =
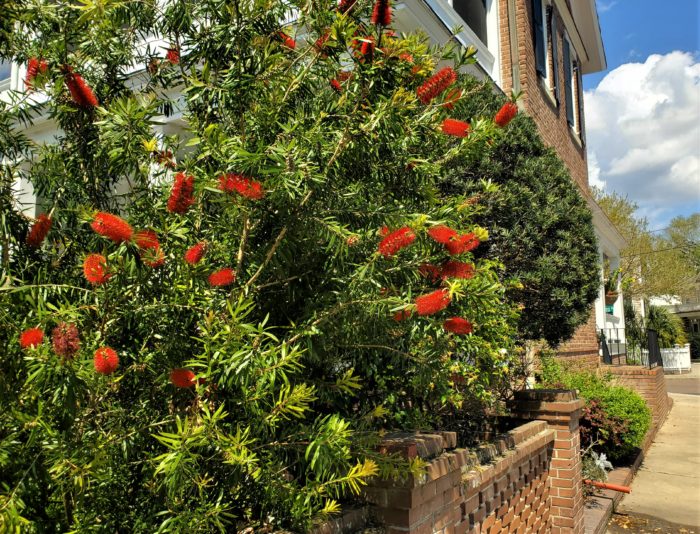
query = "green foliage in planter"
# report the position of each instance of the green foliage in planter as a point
(252, 386)
(615, 418)
(539, 225)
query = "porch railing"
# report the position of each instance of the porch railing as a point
(619, 349)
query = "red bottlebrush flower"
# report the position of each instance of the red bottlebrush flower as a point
(462, 244)
(65, 340)
(405, 56)
(457, 269)
(150, 252)
(173, 55)
(402, 315)
(396, 240)
(320, 43)
(222, 277)
(367, 49)
(452, 97)
(287, 40)
(95, 269)
(244, 186)
(458, 326)
(346, 5)
(433, 302)
(80, 91)
(442, 234)
(182, 378)
(112, 227)
(31, 338)
(431, 272)
(381, 13)
(436, 84)
(455, 127)
(106, 360)
(506, 114)
(165, 158)
(39, 230)
(335, 84)
(195, 253)
(181, 195)
(384, 231)
(34, 67)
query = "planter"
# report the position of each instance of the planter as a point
(611, 297)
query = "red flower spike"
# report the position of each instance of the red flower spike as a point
(242, 185)
(431, 272)
(34, 67)
(181, 195)
(455, 128)
(381, 13)
(182, 378)
(442, 234)
(458, 326)
(80, 91)
(506, 114)
(287, 40)
(346, 5)
(106, 360)
(396, 240)
(452, 97)
(405, 56)
(95, 269)
(433, 302)
(367, 49)
(462, 244)
(320, 43)
(31, 338)
(173, 55)
(402, 315)
(150, 252)
(436, 84)
(112, 227)
(457, 269)
(335, 84)
(384, 231)
(195, 253)
(65, 340)
(39, 230)
(222, 277)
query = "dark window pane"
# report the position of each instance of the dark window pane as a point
(555, 55)
(540, 48)
(473, 12)
(5, 69)
(567, 84)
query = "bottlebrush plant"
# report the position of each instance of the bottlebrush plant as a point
(221, 346)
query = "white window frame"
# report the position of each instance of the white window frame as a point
(573, 60)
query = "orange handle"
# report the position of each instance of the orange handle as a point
(603, 485)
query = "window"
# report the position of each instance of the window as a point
(579, 101)
(5, 69)
(538, 17)
(554, 36)
(473, 12)
(568, 84)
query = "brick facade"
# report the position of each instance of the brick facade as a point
(537, 95)
(582, 349)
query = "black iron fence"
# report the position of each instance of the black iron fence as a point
(618, 348)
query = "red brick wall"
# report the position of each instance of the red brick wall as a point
(501, 486)
(536, 95)
(650, 384)
(582, 349)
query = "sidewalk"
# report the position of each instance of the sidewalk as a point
(667, 486)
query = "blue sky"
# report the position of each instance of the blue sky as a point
(634, 29)
(643, 113)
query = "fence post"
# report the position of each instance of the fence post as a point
(561, 409)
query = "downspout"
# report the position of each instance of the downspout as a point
(513, 38)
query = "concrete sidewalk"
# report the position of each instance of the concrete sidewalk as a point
(667, 485)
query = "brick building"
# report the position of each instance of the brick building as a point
(540, 48)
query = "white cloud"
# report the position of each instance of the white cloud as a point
(643, 129)
(605, 6)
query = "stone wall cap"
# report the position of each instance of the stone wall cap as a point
(547, 395)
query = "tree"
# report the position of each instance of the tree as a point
(652, 265)
(539, 225)
(214, 330)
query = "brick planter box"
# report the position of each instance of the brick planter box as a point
(527, 480)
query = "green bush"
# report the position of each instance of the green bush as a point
(615, 418)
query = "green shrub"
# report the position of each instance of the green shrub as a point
(615, 418)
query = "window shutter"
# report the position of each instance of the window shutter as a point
(540, 45)
(579, 86)
(555, 56)
(569, 95)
